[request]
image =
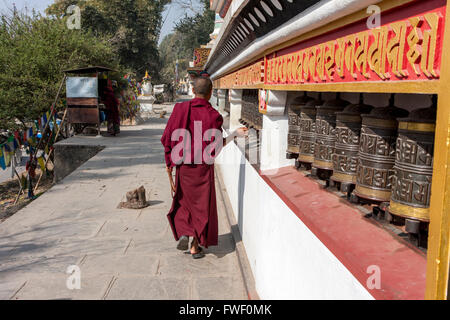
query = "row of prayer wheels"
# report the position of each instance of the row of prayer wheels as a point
(380, 155)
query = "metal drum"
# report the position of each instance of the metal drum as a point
(345, 156)
(377, 153)
(250, 104)
(411, 183)
(325, 133)
(308, 131)
(227, 101)
(293, 149)
(250, 113)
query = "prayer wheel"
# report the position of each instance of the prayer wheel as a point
(308, 131)
(345, 156)
(325, 133)
(294, 126)
(376, 156)
(411, 183)
(250, 115)
(227, 101)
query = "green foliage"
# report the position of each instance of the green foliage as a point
(190, 32)
(195, 30)
(133, 27)
(34, 51)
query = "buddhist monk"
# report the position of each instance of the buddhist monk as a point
(192, 139)
(112, 107)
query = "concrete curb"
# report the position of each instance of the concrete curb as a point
(244, 265)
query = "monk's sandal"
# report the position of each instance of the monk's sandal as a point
(199, 254)
(183, 243)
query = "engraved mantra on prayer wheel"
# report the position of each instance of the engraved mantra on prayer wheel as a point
(294, 125)
(325, 133)
(377, 153)
(308, 131)
(411, 184)
(348, 130)
(227, 101)
(250, 112)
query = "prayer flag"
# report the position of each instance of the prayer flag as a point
(2, 159)
(23, 180)
(7, 157)
(41, 163)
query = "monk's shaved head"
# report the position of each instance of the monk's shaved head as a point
(202, 86)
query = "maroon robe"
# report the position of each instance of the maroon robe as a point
(112, 110)
(194, 210)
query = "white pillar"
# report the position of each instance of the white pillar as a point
(274, 133)
(190, 91)
(213, 99)
(222, 96)
(235, 109)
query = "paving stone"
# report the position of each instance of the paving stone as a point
(219, 288)
(150, 288)
(129, 264)
(54, 287)
(9, 288)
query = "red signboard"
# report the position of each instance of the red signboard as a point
(405, 49)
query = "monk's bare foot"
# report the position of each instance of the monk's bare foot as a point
(195, 249)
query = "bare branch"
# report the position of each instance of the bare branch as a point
(194, 6)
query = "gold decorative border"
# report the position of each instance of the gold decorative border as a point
(342, 177)
(305, 158)
(372, 194)
(293, 150)
(416, 126)
(323, 164)
(384, 123)
(398, 209)
(407, 86)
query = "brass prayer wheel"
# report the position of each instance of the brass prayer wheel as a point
(376, 156)
(348, 130)
(411, 183)
(308, 130)
(293, 149)
(325, 133)
(227, 101)
(250, 111)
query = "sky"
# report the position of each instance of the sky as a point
(172, 14)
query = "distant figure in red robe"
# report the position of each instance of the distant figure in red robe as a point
(191, 140)
(112, 109)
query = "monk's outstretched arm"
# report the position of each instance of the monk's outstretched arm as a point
(240, 132)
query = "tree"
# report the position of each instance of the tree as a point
(190, 32)
(132, 26)
(34, 51)
(195, 30)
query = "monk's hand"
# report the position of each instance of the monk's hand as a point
(242, 132)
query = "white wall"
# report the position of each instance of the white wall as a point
(274, 143)
(288, 261)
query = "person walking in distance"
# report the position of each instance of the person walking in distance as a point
(192, 139)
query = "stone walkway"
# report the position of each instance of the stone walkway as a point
(121, 253)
